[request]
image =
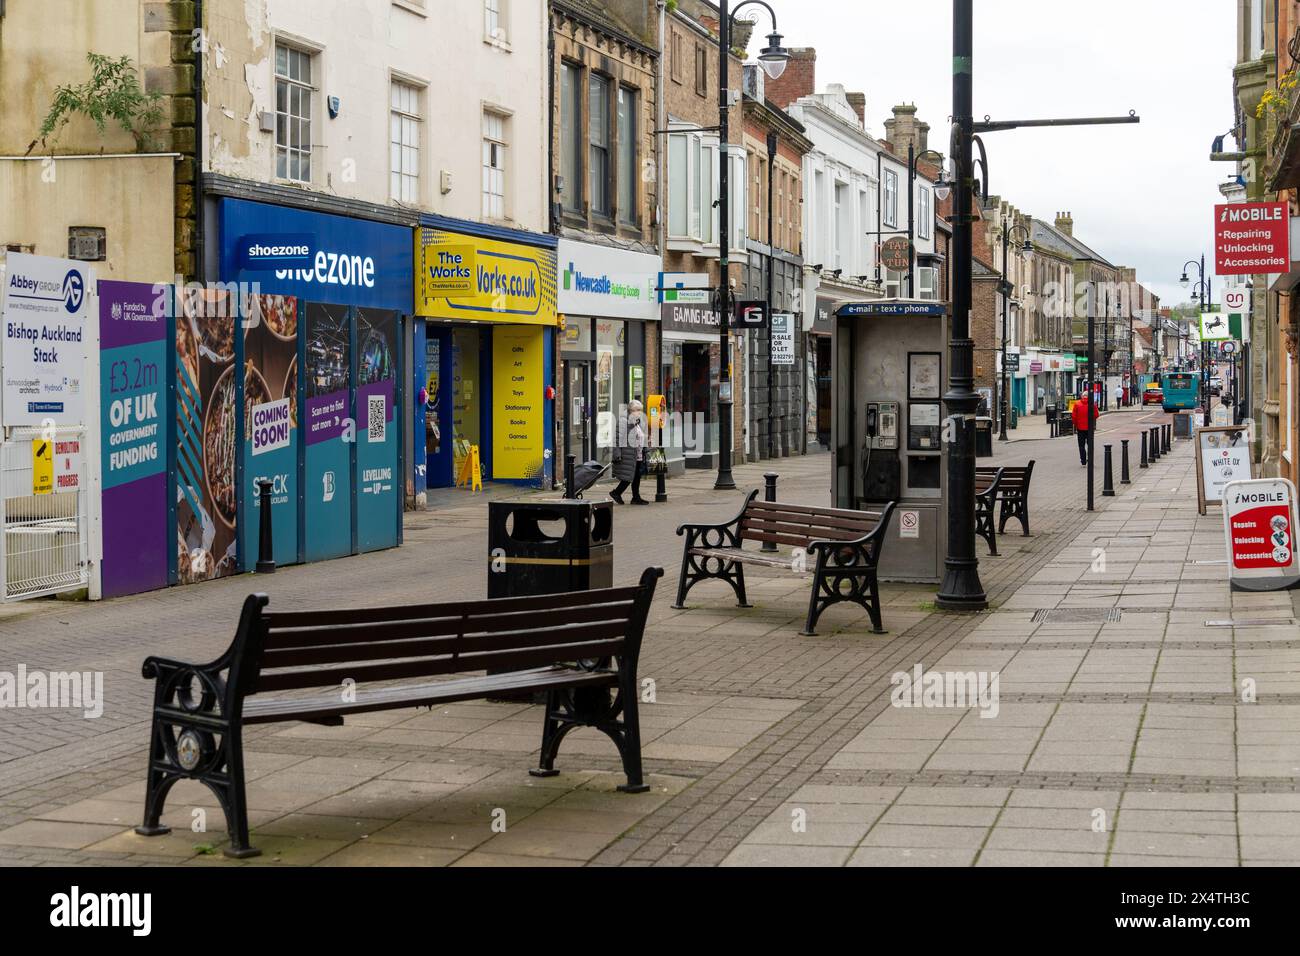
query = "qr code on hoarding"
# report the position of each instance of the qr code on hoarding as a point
(376, 418)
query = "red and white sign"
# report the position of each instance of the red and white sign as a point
(1251, 238)
(67, 464)
(1259, 524)
(909, 524)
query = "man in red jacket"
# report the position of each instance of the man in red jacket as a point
(1082, 422)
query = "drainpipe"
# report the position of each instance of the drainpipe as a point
(553, 226)
(661, 121)
(200, 241)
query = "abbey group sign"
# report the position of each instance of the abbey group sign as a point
(44, 303)
(1251, 238)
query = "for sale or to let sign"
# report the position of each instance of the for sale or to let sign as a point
(1259, 526)
(1251, 238)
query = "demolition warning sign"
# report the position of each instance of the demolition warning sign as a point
(1259, 526)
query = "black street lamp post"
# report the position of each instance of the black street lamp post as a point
(771, 267)
(1201, 293)
(941, 190)
(772, 58)
(961, 589)
(1006, 287)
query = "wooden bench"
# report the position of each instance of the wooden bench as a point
(987, 482)
(1013, 493)
(846, 545)
(370, 659)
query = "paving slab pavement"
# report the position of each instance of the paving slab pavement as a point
(1120, 735)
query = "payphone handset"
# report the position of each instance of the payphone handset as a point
(882, 425)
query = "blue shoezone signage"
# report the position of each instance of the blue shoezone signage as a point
(318, 257)
(268, 251)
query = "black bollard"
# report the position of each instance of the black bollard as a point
(1123, 462)
(265, 551)
(1155, 443)
(1143, 462)
(568, 475)
(1108, 477)
(661, 492)
(1166, 448)
(769, 494)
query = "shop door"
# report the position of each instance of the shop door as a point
(437, 412)
(823, 386)
(579, 434)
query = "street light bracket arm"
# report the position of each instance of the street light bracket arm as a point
(988, 125)
(762, 3)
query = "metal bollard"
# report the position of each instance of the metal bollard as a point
(1123, 462)
(1155, 443)
(1108, 477)
(1143, 462)
(265, 551)
(568, 475)
(1167, 447)
(661, 492)
(769, 494)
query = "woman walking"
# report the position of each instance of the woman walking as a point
(629, 460)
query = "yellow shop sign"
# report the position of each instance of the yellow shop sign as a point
(472, 278)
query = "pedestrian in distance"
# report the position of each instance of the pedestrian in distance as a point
(629, 459)
(1079, 413)
(1119, 396)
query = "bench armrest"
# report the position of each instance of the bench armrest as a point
(728, 530)
(868, 539)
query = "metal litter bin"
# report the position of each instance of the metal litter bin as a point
(983, 437)
(549, 547)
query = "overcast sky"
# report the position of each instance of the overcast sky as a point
(1141, 195)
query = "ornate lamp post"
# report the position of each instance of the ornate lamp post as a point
(773, 59)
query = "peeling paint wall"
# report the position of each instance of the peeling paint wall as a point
(358, 47)
(43, 46)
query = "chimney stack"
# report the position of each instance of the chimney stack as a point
(1065, 223)
(905, 129)
(799, 78)
(859, 103)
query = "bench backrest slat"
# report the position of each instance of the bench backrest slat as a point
(797, 525)
(373, 615)
(375, 635)
(360, 651)
(580, 649)
(301, 649)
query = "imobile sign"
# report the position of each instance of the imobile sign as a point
(1251, 238)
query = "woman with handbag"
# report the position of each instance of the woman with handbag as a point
(629, 461)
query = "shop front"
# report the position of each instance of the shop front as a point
(311, 307)
(607, 299)
(818, 366)
(487, 298)
(691, 371)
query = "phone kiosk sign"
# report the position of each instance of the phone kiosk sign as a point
(1259, 527)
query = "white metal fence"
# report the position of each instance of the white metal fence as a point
(46, 538)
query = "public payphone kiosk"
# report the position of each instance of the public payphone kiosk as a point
(889, 368)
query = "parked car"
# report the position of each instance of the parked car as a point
(1153, 395)
(1216, 386)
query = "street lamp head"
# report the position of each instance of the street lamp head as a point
(1028, 247)
(942, 190)
(1184, 281)
(773, 57)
